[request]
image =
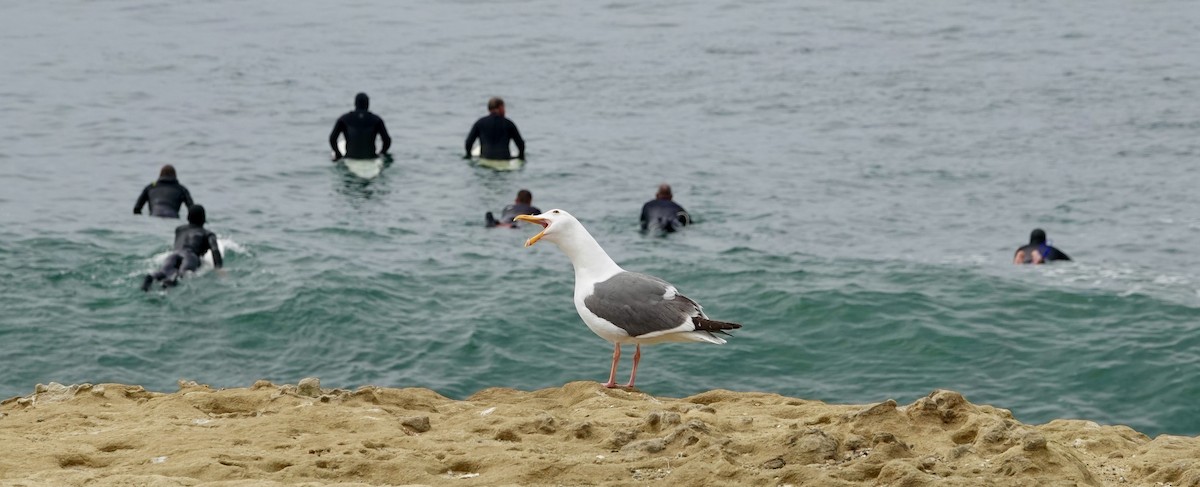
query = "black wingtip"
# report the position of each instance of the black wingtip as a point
(705, 324)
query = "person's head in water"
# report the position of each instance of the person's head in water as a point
(361, 101)
(664, 192)
(1037, 237)
(524, 197)
(1038, 250)
(167, 172)
(196, 215)
(496, 105)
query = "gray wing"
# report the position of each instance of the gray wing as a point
(637, 304)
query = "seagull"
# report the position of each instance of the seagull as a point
(620, 306)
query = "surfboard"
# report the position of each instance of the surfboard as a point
(502, 164)
(363, 168)
(498, 164)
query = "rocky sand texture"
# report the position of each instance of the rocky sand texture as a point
(578, 434)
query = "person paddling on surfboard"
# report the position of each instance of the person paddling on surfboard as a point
(494, 132)
(522, 206)
(360, 128)
(1038, 251)
(192, 241)
(661, 213)
(165, 195)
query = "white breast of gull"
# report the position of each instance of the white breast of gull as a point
(620, 306)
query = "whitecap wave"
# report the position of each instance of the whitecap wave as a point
(1120, 279)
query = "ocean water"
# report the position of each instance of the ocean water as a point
(859, 172)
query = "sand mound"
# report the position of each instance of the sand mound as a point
(579, 434)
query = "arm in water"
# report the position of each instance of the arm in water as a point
(516, 137)
(387, 139)
(218, 262)
(338, 129)
(187, 198)
(471, 137)
(142, 200)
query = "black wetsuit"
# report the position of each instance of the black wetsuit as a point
(494, 131)
(510, 213)
(1048, 252)
(361, 127)
(165, 197)
(191, 242)
(665, 215)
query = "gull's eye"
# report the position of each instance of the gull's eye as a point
(555, 212)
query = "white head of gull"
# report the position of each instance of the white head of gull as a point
(621, 306)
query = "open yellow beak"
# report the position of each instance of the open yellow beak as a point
(533, 219)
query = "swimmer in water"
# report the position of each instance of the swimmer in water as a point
(661, 213)
(192, 241)
(522, 206)
(360, 128)
(165, 196)
(1038, 251)
(494, 131)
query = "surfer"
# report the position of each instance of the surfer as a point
(1039, 251)
(662, 213)
(360, 128)
(165, 195)
(191, 242)
(494, 131)
(523, 205)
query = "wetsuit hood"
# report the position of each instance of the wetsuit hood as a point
(361, 101)
(196, 215)
(1038, 237)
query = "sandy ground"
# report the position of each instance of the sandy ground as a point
(579, 434)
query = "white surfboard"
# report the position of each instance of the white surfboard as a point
(502, 164)
(498, 164)
(363, 168)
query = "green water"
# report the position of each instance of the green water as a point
(859, 174)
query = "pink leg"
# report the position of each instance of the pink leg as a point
(637, 357)
(612, 373)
